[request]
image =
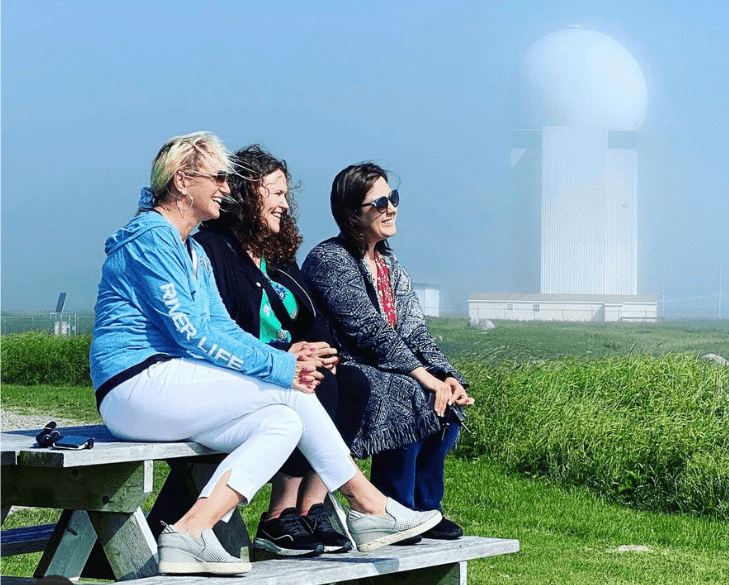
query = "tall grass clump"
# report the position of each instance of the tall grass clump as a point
(652, 432)
(40, 358)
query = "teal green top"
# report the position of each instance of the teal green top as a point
(271, 328)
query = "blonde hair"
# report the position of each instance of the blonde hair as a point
(186, 153)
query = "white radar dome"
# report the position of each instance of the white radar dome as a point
(578, 77)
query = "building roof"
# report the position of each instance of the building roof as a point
(565, 298)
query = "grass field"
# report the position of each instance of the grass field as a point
(569, 533)
(567, 537)
(522, 342)
(647, 431)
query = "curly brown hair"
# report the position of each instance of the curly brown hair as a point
(241, 210)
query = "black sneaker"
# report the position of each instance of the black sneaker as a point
(444, 530)
(408, 541)
(321, 527)
(287, 536)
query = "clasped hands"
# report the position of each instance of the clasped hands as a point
(310, 356)
(447, 392)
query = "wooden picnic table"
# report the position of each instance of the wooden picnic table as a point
(100, 491)
(103, 532)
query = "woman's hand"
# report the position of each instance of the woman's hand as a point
(306, 377)
(458, 393)
(320, 351)
(442, 390)
(326, 354)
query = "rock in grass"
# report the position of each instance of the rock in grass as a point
(716, 358)
(484, 324)
(632, 548)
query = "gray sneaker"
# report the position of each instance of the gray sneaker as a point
(182, 554)
(399, 523)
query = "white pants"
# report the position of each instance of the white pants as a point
(259, 424)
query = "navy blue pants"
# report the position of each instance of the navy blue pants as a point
(413, 474)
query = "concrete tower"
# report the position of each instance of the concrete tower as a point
(582, 98)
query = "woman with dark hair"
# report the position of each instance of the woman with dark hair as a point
(169, 364)
(252, 247)
(416, 396)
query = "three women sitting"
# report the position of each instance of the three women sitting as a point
(168, 363)
(376, 318)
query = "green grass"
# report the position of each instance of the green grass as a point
(522, 342)
(70, 402)
(571, 536)
(652, 432)
(41, 358)
(567, 536)
(576, 451)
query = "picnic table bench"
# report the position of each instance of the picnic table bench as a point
(103, 532)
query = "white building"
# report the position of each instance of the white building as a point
(429, 297)
(539, 307)
(586, 238)
(575, 180)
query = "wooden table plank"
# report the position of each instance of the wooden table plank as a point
(19, 448)
(6, 580)
(334, 568)
(120, 487)
(23, 540)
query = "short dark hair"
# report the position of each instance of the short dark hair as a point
(349, 189)
(242, 208)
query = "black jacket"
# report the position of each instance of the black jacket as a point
(241, 284)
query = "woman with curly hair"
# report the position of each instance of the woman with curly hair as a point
(252, 248)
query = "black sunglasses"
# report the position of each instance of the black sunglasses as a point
(381, 203)
(220, 177)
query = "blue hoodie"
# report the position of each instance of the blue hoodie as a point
(156, 298)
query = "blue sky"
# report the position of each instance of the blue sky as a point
(91, 89)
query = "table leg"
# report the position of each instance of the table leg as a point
(128, 543)
(110, 493)
(69, 547)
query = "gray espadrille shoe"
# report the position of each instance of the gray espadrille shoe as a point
(182, 554)
(399, 523)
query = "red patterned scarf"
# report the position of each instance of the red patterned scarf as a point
(384, 290)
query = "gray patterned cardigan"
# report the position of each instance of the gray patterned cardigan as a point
(399, 411)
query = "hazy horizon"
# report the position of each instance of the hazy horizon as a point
(90, 90)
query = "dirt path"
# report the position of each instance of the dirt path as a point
(11, 421)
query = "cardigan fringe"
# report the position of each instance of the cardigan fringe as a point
(392, 438)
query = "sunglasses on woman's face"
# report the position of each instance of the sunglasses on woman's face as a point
(220, 177)
(381, 203)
